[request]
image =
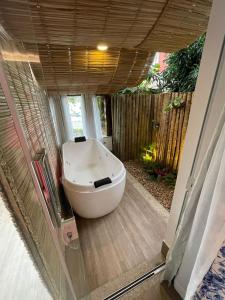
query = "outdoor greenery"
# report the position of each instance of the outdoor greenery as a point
(183, 66)
(146, 86)
(75, 113)
(177, 102)
(156, 170)
(148, 153)
(179, 76)
(78, 132)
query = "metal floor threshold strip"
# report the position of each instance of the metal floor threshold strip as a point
(119, 293)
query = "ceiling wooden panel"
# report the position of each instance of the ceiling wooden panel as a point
(133, 30)
(78, 69)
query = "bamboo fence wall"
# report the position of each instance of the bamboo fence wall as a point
(139, 120)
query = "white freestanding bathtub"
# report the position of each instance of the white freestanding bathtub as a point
(84, 163)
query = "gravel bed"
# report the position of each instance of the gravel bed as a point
(162, 192)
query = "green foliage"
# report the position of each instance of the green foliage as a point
(179, 76)
(154, 76)
(145, 86)
(73, 99)
(152, 169)
(148, 153)
(170, 179)
(157, 171)
(177, 102)
(183, 66)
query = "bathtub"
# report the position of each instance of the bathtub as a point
(84, 163)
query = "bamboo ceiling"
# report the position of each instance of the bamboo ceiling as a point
(66, 33)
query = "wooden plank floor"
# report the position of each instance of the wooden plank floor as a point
(124, 239)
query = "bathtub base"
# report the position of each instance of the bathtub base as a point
(98, 203)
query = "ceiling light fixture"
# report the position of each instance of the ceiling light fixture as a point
(102, 47)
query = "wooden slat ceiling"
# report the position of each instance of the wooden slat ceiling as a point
(77, 69)
(67, 32)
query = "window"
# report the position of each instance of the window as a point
(75, 107)
(54, 113)
(104, 107)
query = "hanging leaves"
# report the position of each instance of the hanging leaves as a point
(182, 68)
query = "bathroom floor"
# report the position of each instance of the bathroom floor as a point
(129, 237)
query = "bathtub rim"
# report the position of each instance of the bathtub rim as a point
(71, 186)
(90, 187)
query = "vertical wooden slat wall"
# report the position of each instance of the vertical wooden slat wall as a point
(32, 108)
(139, 120)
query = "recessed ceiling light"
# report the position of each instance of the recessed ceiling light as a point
(102, 47)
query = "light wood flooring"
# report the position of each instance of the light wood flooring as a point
(124, 239)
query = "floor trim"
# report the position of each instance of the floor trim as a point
(164, 249)
(119, 293)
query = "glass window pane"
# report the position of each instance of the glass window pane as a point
(102, 110)
(75, 111)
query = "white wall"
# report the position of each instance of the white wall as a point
(19, 278)
(215, 45)
(210, 58)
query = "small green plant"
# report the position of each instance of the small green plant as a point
(170, 179)
(158, 171)
(155, 170)
(148, 153)
(177, 102)
(161, 173)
